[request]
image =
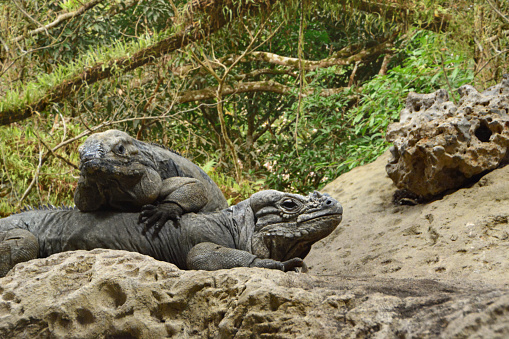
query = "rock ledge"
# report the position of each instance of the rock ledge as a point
(112, 294)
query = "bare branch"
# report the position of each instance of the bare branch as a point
(220, 87)
(263, 71)
(301, 76)
(51, 151)
(61, 18)
(310, 65)
(341, 58)
(247, 87)
(400, 12)
(498, 11)
(385, 64)
(354, 72)
(34, 180)
(29, 16)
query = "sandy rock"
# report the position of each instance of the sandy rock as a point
(439, 145)
(123, 294)
(105, 293)
(463, 235)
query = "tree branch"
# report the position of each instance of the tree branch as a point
(340, 58)
(29, 16)
(498, 11)
(400, 13)
(263, 71)
(61, 18)
(385, 64)
(310, 65)
(195, 31)
(247, 87)
(51, 151)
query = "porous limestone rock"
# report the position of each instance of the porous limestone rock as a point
(118, 294)
(439, 145)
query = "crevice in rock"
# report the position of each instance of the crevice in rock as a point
(483, 132)
(405, 197)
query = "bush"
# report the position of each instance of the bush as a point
(20, 153)
(335, 136)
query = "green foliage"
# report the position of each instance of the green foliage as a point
(305, 165)
(29, 93)
(19, 147)
(334, 138)
(420, 70)
(234, 191)
(277, 144)
(102, 34)
(70, 5)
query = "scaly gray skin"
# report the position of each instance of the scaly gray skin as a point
(271, 229)
(121, 173)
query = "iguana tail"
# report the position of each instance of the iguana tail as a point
(16, 245)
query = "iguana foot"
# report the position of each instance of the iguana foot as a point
(208, 256)
(285, 266)
(152, 215)
(295, 263)
(16, 246)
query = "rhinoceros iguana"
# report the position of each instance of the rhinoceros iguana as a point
(121, 173)
(271, 229)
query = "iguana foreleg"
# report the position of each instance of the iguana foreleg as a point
(208, 256)
(178, 195)
(16, 245)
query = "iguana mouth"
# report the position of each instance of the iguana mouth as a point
(310, 228)
(127, 169)
(304, 219)
(284, 241)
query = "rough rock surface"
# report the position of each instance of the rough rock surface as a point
(105, 293)
(439, 145)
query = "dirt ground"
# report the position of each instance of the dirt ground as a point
(463, 235)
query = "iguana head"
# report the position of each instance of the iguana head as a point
(110, 152)
(286, 225)
(118, 171)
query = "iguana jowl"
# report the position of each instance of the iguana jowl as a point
(271, 229)
(122, 173)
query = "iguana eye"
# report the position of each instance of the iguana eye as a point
(289, 204)
(120, 149)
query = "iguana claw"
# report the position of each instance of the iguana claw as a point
(293, 264)
(157, 216)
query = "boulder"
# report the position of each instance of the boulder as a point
(439, 145)
(118, 294)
